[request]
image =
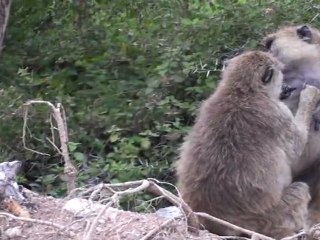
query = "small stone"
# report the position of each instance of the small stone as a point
(169, 212)
(13, 232)
(101, 221)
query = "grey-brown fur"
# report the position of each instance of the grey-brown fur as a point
(301, 57)
(236, 162)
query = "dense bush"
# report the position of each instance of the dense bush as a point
(130, 74)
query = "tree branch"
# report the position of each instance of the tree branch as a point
(59, 116)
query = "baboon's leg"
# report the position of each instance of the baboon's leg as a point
(285, 219)
(314, 209)
(290, 216)
(311, 176)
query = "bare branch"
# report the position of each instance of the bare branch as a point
(150, 186)
(51, 224)
(4, 13)
(52, 128)
(192, 219)
(297, 236)
(54, 145)
(153, 232)
(119, 190)
(232, 226)
(59, 116)
(24, 130)
(115, 199)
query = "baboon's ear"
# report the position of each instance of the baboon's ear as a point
(267, 42)
(304, 33)
(225, 64)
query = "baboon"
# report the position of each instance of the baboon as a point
(236, 161)
(298, 48)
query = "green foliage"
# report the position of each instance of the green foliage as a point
(130, 75)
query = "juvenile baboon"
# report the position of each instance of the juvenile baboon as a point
(236, 162)
(298, 48)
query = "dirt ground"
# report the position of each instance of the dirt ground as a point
(114, 224)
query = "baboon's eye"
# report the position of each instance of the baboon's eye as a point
(304, 33)
(267, 76)
(268, 43)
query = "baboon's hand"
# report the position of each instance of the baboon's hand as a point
(300, 190)
(296, 193)
(310, 96)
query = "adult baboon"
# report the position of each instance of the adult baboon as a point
(298, 48)
(236, 162)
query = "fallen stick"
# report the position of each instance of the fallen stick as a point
(232, 226)
(32, 220)
(153, 232)
(192, 218)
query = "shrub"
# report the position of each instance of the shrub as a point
(130, 74)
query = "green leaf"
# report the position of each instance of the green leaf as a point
(78, 156)
(242, 1)
(49, 178)
(72, 146)
(114, 137)
(145, 143)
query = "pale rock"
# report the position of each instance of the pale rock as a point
(169, 212)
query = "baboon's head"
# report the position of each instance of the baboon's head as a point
(298, 48)
(255, 71)
(293, 43)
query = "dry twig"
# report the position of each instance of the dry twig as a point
(120, 190)
(5, 13)
(24, 133)
(114, 199)
(31, 220)
(296, 236)
(60, 118)
(155, 231)
(150, 186)
(232, 226)
(315, 231)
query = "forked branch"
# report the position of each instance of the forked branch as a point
(59, 116)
